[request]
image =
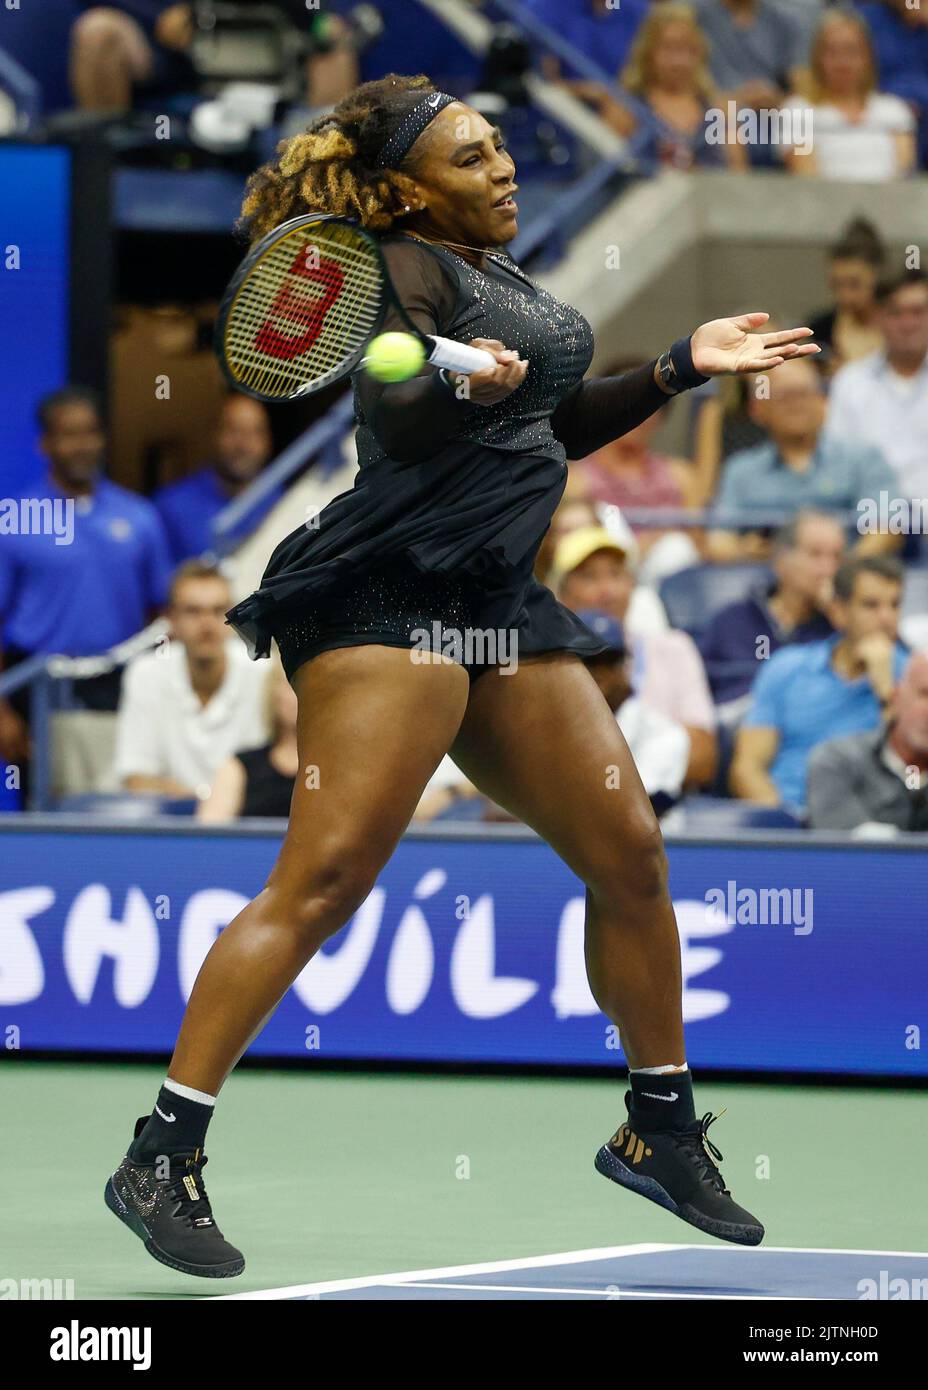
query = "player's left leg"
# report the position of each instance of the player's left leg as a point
(543, 743)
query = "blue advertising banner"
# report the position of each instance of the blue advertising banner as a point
(797, 956)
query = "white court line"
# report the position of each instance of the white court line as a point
(610, 1252)
(615, 1296)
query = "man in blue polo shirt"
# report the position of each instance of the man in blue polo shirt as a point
(791, 608)
(807, 694)
(241, 449)
(83, 562)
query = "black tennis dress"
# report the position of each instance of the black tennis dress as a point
(452, 499)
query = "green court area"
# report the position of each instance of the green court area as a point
(323, 1176)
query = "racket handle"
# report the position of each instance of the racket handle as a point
(459, 357)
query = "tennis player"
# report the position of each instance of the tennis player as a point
(457, 481)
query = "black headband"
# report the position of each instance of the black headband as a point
(411, 127)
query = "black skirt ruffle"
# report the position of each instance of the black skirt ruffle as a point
(472, 511)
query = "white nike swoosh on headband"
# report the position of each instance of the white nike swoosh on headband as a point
(170, 1118)
(652, 1096)
(433, 101)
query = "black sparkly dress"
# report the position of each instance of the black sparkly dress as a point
(452, 499)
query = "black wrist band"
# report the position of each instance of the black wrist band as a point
(675, 368)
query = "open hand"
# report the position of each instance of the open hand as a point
(735, 345)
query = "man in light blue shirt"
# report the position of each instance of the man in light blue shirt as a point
(823, 690)
(800, 467)
(883, 398)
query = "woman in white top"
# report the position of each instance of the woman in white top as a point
(858, 133)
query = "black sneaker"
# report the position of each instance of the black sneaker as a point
(172, 1214)
(678, 1169)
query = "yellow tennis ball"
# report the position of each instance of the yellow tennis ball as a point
(394, 356)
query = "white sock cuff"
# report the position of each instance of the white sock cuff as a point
(659, 1071)
(188, 1092)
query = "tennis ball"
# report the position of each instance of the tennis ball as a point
(394, 356)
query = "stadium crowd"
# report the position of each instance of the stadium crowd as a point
(778, 660)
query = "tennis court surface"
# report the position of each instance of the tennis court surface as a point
(341, 1185)
(644, 1272)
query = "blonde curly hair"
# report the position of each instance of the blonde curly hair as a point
(332, 165)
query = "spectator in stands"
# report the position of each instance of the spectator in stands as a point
(722, 425)
(868, 782)
(790, 607)
(259, 781)
(448, 787)
(667, 71)
(84, 563)
(850, 329)
(811, 692)
(241, 449)
(882, 400)
(599, 29)
(757, 52)
(858, 133)
(191, 703)
(799, 466)
(592, 571)
(606, 527)
(899, 31)
(124, 44)
(659, 746)
(629, 473)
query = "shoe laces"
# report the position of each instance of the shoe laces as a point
(700, 1148)
(193, 1210)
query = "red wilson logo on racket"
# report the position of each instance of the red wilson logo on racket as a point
(292, 306)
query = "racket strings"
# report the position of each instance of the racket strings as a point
(308, 305)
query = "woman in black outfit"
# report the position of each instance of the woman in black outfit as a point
(456, 485)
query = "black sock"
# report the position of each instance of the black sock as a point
(179, 1128)
(661, 1102)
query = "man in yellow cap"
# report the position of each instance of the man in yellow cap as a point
(592, 570)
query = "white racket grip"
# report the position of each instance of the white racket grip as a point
(460, 357)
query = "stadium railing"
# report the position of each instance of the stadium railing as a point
(22, 89)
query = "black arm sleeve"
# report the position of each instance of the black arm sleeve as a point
(412, 419)
(595, 412)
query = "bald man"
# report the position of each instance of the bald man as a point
(242, 446)
(877, 779)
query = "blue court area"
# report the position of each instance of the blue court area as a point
(645, 1272)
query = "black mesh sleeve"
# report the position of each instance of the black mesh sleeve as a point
(412, 419)
(595, 412)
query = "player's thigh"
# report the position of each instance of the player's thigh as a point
(544, 744)
(372, 727)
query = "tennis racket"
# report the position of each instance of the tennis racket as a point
(305, 303)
